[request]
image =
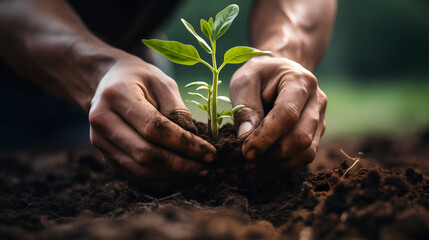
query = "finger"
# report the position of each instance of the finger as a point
(294, 92)
(155, 127)
(246, 90)
(142, 151)
(171, 104)
(122, 163)
(307, 156)
(302, 133)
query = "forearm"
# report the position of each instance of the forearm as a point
(46, 41)
(296, 29)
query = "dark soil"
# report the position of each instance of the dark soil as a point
(73, 195)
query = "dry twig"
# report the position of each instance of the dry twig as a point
(356, 159)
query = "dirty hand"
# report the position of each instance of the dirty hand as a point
(294, 106)
(130, 124)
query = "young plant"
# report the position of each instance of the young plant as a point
(188, 55)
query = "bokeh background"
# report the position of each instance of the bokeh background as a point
(375, 71)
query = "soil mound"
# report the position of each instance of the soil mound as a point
(73, 195)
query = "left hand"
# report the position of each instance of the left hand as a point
(284, 111)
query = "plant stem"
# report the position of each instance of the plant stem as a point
(214, 126)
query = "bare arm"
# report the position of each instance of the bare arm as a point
(285, 109)
(299, 30)
(47, 42)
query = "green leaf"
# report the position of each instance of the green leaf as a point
(203, 88)
(203, 107)
(200, 40)
(211, 23)
(223, 20)
(198, 83)
(241, 54)
(205, 28)
(220, 118)
(227, 113)
(175, 51)
(237, 107)
(198, 95)
(223, 98)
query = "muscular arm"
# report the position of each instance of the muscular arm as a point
(46, 41)
(285, 109)
(129, 102)
(299, 30)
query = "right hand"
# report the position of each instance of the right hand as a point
(129, 125)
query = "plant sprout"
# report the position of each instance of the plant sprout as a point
(188, 55)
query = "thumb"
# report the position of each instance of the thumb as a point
(170, 104)
(247, 119)
(246, 91)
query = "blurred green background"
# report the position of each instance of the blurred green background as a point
(375, 71)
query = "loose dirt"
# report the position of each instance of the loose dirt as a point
(73, 195)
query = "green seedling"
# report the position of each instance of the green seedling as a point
(188, 55)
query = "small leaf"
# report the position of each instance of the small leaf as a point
(203, 107)
(223, 98)
(198, 83)
(205, 28)
(219, 121)
(175, 51)
(226, 113)
(237, 107)
(198, 95)
(219, 82)
(241, 54)
(200, 40)
(222, 117)
(223, 20)
(203, 88)
(211, 23)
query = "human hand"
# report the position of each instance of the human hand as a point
(294, 106)
(130, 125)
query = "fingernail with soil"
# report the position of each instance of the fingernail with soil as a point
(209, 157)
(203, 173)
(251, 154)
(244, 128)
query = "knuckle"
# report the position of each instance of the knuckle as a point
(171, 83)
(97, 117)
(302, 90)
(323, 98)
(303, 140)
(239, 81)
(112, 92)
(291, 113)
(307, 77)
(309, 156)
(150, 129)
(310, 79)
(95, 140)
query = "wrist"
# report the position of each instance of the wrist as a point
(296, 49)
(91, 59)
